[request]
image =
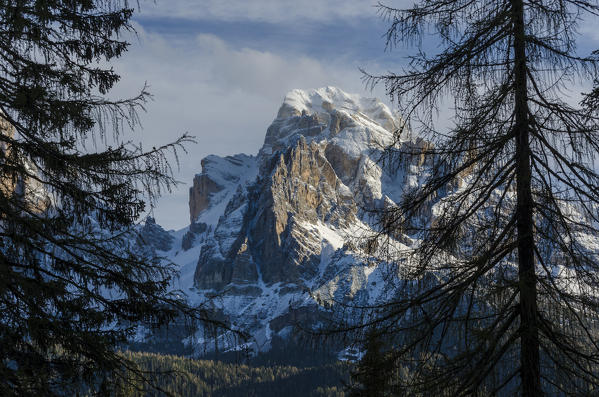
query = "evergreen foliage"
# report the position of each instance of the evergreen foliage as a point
(72, 284)
(375, 375)
(499, 294)
(181, 376)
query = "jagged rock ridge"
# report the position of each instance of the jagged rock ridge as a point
(283, 226)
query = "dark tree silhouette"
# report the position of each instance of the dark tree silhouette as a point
(500, 289)
(72, 285)
(375, 374)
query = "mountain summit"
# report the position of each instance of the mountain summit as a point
(278, 234)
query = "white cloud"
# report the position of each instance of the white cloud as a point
(271, 75)
(225, 96)
(588, 30)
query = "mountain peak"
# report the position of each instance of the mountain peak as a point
(356, 123)
(326, 100)
(267, 229)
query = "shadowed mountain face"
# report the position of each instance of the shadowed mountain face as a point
(279, 234)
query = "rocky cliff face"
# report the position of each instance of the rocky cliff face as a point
(285, 226)
(219, 175)
(30, 191)
(153, 235)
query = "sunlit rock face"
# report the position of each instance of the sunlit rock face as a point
(7, 182)
(283, 231)
(218, 174)
(314, 154)
(30, 191)
(302, 190)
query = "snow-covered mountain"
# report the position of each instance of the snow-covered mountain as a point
(279, 235)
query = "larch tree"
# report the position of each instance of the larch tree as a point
(499, 293)
(73, 287)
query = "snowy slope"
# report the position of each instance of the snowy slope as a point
(278, 235)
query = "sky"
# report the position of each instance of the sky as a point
(219, 70)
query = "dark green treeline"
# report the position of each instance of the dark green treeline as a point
(182, 376)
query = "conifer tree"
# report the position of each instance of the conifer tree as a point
(73, 286)
(500, 289)
(374, 373)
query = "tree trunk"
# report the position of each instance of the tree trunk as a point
(529, 340)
